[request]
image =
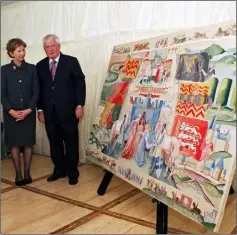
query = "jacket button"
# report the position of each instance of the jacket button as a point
(19, 80)
(52, 87)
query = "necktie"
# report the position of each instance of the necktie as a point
(53, 69)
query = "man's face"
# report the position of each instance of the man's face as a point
(52, 48)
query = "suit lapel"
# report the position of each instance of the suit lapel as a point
(47, 69)
(60, 66)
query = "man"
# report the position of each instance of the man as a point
(61, 104)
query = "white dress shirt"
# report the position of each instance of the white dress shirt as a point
(50, 62)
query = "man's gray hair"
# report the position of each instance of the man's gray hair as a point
(51, 36)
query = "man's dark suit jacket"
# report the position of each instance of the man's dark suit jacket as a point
(65, 92)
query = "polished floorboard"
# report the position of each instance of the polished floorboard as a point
(59, 208)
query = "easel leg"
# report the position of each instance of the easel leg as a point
(161, 217)
(232, 191)
(105, 183)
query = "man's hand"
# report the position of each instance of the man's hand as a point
(41, 117)
(23, 114)
(79, 112)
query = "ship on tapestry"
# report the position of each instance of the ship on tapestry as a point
(166, 122)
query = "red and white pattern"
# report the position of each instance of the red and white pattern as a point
(191, 110)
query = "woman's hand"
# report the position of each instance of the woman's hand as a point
(23, 114)
(15, 114)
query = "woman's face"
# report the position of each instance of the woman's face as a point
(19, 53)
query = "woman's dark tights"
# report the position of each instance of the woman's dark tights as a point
(16, 158)
(28, 150)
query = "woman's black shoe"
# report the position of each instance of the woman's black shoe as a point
(28, 180)
(18, 179)
(19, 182)
(27, 177)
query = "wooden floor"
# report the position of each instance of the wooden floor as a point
(58, 207)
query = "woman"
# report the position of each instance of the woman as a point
(155, 153)
(20, 93)
(129, 148)
(143, 145)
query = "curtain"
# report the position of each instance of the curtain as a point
(72, 20)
